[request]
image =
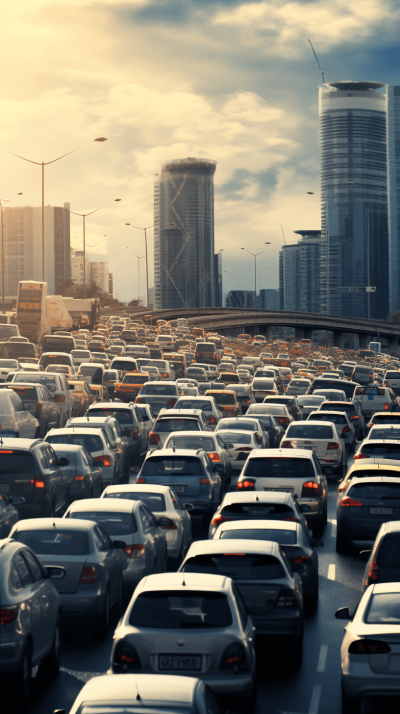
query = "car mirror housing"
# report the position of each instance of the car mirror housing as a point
(343, 614)
(55, 572)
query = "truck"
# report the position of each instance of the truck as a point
(375, 347)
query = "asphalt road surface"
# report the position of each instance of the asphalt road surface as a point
(313, 689)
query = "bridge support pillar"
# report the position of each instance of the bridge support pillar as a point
(308, 333)
(338, 339)
(298, 333)
(392, 344)
(364, 341)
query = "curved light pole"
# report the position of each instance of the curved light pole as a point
(255, 255)
(43, 164)
(139, 257)
(83, 216)
(3, 201)
(147, 265)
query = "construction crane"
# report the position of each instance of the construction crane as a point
(283, 236)
(319, 66)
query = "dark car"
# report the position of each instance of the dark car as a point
(84, 475)
(31, 474)
(132, 423)
(383, 565)
(39, 402)
(8, 514)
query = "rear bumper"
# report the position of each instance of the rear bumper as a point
(11, 649)
(371, 685)
(362, 529)
(88, 600)
(314, 509)
(279, 623)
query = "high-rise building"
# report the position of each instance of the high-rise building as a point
(111, 284)
(240, 298)
(299, 272)
(99, 274)
(394, 195)
(290, 277)
(218, 280)
(22, 232)
(184, 234)
(77, 268)
(268, 299)
(353, 119)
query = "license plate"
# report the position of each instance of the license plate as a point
(178, 489)
(5, 487)
(382, 511)
(280, 490)
(159, 404)
(180, 662)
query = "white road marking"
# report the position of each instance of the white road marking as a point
(315, 697)
(83, 676)
(331, 572)
(322, 658)
(334, 527)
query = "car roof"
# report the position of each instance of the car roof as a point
(112, 406)
(385, 588)
(19, 444)
(243, 525)
(183, 581)
(122, 505)
(176, 452)
(135, 488)
(321, 411)
(373, 479)
(210, 392)
(170, 691)
(263, 547)
(75, 429)
(67, 447)
(254, 496)
(284, 453)
(380, 441)
(69, 524)
(388, 414)
(306, 422)
(358, 465)
(209, 434)
(180, 412)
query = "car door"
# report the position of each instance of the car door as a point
(50, 411)
(95, 473)
(223, 454)
(59, 480)
(154, 531)
(32, 602)
(48, 600)
(112, 561)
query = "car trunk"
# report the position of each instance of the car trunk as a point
(317, 446)
(260, 597)
(73, 565)
(17, 473)
(384, 663)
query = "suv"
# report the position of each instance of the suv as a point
(208, 406)
(172, 421)
(363, 374)
(133, 425)
(352, 410)
(159, 395)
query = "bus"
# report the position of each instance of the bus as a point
(31, 309)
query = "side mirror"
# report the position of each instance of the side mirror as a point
(365, 555)
(343, 614)
(119, 544)
(55, 572)
(188, 507)
(63, 461)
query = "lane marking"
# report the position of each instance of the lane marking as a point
(322, 658)
(83, 676)
(316, 696)
(334, 528)
(331, 572)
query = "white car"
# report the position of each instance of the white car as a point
(247, 424)
(309, 403)
(98, 445)
(239, 445)
(323, 439)
(331, 395)
(370, 650)
(172, 517)
(58, 386)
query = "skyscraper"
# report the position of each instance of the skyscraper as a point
(354, 198)
(394, 195)
(299, 272)
(184, 234)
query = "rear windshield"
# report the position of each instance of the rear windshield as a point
(384, 609)
(110, 375)
(263, 384)
(192, 443)
(386, 419)
(237, 437)
(58, 344)
(114, 524)
(346, 387)
(55, 542)
(334, 418)
(49, 382)
(311, 401)
(171, 610)
(154, 501)
(205, 347)
(222, 398)
(268, 408)
(16, 462)
(165, 426)
(238, 566)
(279, 467)
(300, 382)
(8, 364)
(47, 360)
(276, 535)
(264, 419)
(392, 375)
(314, 431)
(80, 353)
(258, 510)
(163, 390)
(88, 370)
(172, 466)
(123, 416)
(91, 442)
(27, 394)
(338, 407)
(388, 451)
(135, 378)
(376, 491)
(363, 370)
(245, 425)
(193, 404)
(123, 366)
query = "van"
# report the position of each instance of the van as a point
(58, 343)
(49, 358)
(392, 380)
(363, 374)
(375, 399)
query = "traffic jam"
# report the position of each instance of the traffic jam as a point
(196, 523)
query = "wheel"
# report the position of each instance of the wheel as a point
(350, 706)
(22, 680)
(51, 664)
(319, 525)
(118, 604)
(341, 544)
(296, 654)
(312, 600)
(103, 620)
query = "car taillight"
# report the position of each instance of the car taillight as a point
(125, 658)
(233, 656)
(347, 501)
(135, 551)
(332, 446)
(167, 524)
(361, 456)
(8, 615)
(39, 484)
(346, 429)
(205, 481)
(286, 444)
(342, 486)
(214, 457)
(89, 575)
(373, 572)
(139, 400)
(217, 520)
(59, 398)
(369, 647)
(353, 418)
(212, 420)
(140, 480)
(246, 485)
(386, 406)
(284, 420)
(165, 375)
(369, 426)
(172, 402)
(292, 519)
(244, 448)
(154, 438)
(300, 559)
(310, 489)
(79, 478)
(287, 598)
(135, 432)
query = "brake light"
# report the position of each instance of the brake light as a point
(212, 420)
(286, 444)
(310, 489)
(342, 486)
(284, 420)
(215, 457)
(361, 456)
(369, 426)
(59, 398)
(167, 524)
(373, 572)
(89, 575)
(135, 432)
(300, 559)
(332, 446)
(135, 551)
(293, 519)
(244, 448)
(346, 429)
(369, 647)
(8, 615)
(246, 485)
(154, 438)
(287, 598)
(126, 658)
(217, 520)
(353, 418)
(386, 406)
(172, 402)
(139, 400)
(103, 460)
(205, 481)
(79, 478)
(347, 501)
(233, 656)
(165, 375)
(39, 484)
(140, 480)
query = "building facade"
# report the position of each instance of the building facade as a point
(353, 134)
(240, 298)
(268, 299)
(393, 136)
(184, 234)
(218, 280)
(77, 268)
(299, 273)
(99, 275)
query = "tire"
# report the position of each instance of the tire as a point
(118, 604)
(21, 682)
(350, 706)
(341, 544)
(103, 620)
(319, 525)
(312, 601)
(51, 664)
(296, 655)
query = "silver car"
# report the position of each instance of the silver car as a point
(171, 515)
(132, 523)
(30, 618)
(8, 514)
(98, 445)
(247, 424)
(208, 406)
(93, 567)
(188, 624)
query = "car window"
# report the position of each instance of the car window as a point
(241, 607)
(14, 577)
(169, 609)
(89, 458)
(240, 566)
(152, 520)
(23, 571)
(51, 457)
(98, 539)
(145, 520)
(34, 566)
(106, 539)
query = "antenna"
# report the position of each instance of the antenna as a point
(283, 236)
(319, 66)
(183, 579)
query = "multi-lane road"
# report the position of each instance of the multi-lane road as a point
(313, 689)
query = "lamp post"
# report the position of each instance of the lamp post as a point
(43, 164)
(255, 255)
(83, 216)
(139, 257)
(2, 202)
(147, 264)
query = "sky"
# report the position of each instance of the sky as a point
(230, 80)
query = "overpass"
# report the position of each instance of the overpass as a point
(227, 320)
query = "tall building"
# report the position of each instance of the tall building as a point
(99, 275)
(268, 299)
(240, 298)
(218, 280)
(394, 195)
(77, 267)
(299, 273)
(22, 232)
(290, 278)
(184, 234)
(353, 133)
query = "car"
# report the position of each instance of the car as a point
(331, 395)
(391, 379)
(373, 399)
(38, 402)
(211, 443)
(132, 422)
(288, 401)
(133, 525)
(239, 445)
(207, 404)
(82, 395)
(166, 507)
(384, 418)
(174, 421)
(92, 583)
(130, 385)
(348, 387)
(386, 451)
(145, 412)
(352, 410)
(363, 374)
(96, 442)
(92, 373)
(298, 386)
(323, 438)
(8, 514)
(344, 426)
(226, 400)
(30, 619)
(116, 437)
(262, 387)
(257, 566)
(160, 395)
(247, 424)
(383, 563)
(47, 359)
(16, 421)
(390, 431)
(244, 395)
(245, 375)
(31, 475)
(293, 540)
(81, 355)
(274, 430)
(217, 630)
(84, 475)
(280, 412)
(369, 647)
(55, 383)
(191, 476)
(124, 364)
(246, 504)
(309, 403)
(8, 366)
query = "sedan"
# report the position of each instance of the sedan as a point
(212, 444)
(323, 439)
(84, 475)
(16, 421)
(39, 402)
(256, 505)
(82, 395)
(218, 633)
(278, 411)
(298, 386)
(274, 430)
(309, 403)
(246, 424)
(343, 424)
(290, 402)
(244, 395)
(171, 515)
(208, 406)
(239, 445)
(131, 523)
(93, 568)
(8, 514)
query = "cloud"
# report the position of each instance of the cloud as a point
(247, 186)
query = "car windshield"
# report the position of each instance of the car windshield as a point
(172, 466)
(171, 610)
(300, 383)
(386, 418)
(91, 442)
(347, 387)
(243, 425)
(80, 353)
(123, 416)
(49, 382)
(114, 524)
(162, 390)
(193, 404)
(384, 609)
(191, 442)
(154, 501)
(314, 431)
(135, 378)
(381, 432)
(238, 566)
(279, 467)
(235, 437)
(55, 541)
(264, 419)
(275, 534)
(88, 370)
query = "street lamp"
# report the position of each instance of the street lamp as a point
(255, 255)
(139, 257)
(147, 265)
(83, 216)
(3, 201)
(43, 164)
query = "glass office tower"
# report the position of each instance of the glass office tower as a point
(184, 234)
(354, 198)
(394, 195)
